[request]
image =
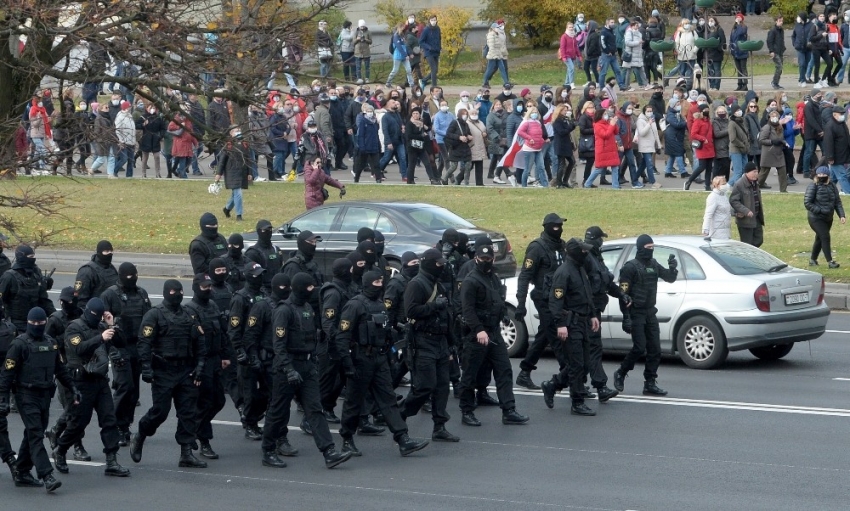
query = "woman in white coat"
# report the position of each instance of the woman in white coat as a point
(648, 143)
(717, 221)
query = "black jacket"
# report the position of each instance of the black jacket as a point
(563, 143)
(836, 143)
(821, 200)
(608, 43)
(776, 40)
(813, 124)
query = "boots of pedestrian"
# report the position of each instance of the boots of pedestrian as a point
(470, 419)
(59, 461)
(650, 388)
(113, 468)
(226, 212)
(483, 398)
(51, 484)
(349, 447)
(441, 434)
(587, 393)
(207, 451)
(270, 459)
(513, 417)
(80, 453)
(605, 394)
(284, 448)
(579, 408)
(619, 380)
(524, 380)
(407, 445)
(334, 457)
(426, 408)
(368, 429)
(52, 435)
(548, 393)
(188, 460)
(252, 432)
(136, 445)
(330, 417)
(26, 480)
(68, 170)
(379, 419)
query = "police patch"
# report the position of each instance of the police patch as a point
(78, 285)
(10, 364)
(252, 321)
(624, 286)
(76, 340)
(559, 293)
(234, 321)
(388, 304)
(280, 331)
(147, 331)
(528, 263)
(330, 313)
(344, 325)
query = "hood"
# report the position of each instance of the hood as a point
(591, 26)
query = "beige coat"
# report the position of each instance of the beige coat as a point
(479, 140)
(647, 132)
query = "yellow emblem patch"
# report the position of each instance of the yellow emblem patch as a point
(147, 331)
(388, 304)
(234, 321)
(252, 321)
(344, 325)
(528, 263)
(330, 313)
(76, 340)
(10, 364)
(559, 293)
(624, 286)
(280, 331)
(78, 285)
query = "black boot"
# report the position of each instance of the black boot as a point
(188, 460)
(651, 389)
(136, 444)
(113, 468)
(284, 448)
(426, 408)
(368, 429)
(226, 212)
(330, 417)
(10, 461)
(407, 446)
(52, 435)
(605, 394)
(548, 393)
(456, 389)
(305, 427)
(123, 438)
(349, 447)
(51, 484)
(207, 451)
(513, 417)
(334, 457)
(483, 398)
(441, 434)
(252, 432)
(270, 459)
(524, 380)
(469, 419)
(579, 408)
(26, 480)
(59, 461)
(80, 453)
(619, 380)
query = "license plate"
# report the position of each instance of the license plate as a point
(795, 298)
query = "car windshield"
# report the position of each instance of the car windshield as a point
(438, 219)
(742, 259)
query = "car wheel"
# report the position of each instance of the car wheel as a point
(514, 333)
(701, 343)
(774, 352)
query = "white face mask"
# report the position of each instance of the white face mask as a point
(411, 20)
(464, 117)
(629, 111)
(152, 111)
(687, 26)
(605, 116)
(722, 189)
(739, 113)
(370, 115)
(569, 113)
(280, 110)
(116, 102)
(464, 100)
(564, 94)
(82, 106)
(474, 117)
(711, 24)
(296, 109)
(444, 108)
(311, 130)
(620, 20)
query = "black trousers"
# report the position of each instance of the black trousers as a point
(593, 353)
(173, 383)
(705, 164)
(741, 68)
(474, 355)
(430, 379)
(415, 155)
(645, 340)
(281, 401)
(721, 168)
(566, 165)
(34, 409)
(230, 380)
(341, 141)
(211, 398)
(125, 389)
(256, 389)
(751, 235)
(547, 335)
(577, 354)
(823, 240)
(331, 381)
(5, 444)
(372, 376)
(368, 162)
(96, 397)
(66, 402)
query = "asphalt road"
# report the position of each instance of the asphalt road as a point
(752, 435)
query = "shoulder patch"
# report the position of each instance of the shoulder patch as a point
(10, 364)
(388, 303)
(624, 286)
(330, 313)
(528, 263)
(76, 340)
(234, 321)
(252, 320)
(344, 325)
(559, 293)
(147, 331)
(78, 285)
(280, 331)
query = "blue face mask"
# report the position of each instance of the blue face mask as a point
(535, 116)
(519, 108)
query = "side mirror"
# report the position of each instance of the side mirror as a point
(288, 232)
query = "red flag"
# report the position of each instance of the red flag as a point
(508, 159)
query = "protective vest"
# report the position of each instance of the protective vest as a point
(600, 280)
(210, 322)
(134, 305)
(344, 294)
(302, 336)
(489, 311)
(373, 325)
(103, 279)
(214, 248)
(221, 295)
(269, 259)
(40, 364)
(174, 334)
(554, 259)
(79, 332)
(25, 299)
(437, 323)
(644, 289)
(265, 338)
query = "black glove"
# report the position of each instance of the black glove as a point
(520, 313)
(241, 357)
(49, 283)
(5, 408)
(294, 378)
(778, 142)
(77, 397)
(627, 324)
(342, 192)
(441, 303)
(626, 299)
(116, 358)
(348, 366)
(147, 374)
(672, 263)
(255, 363)
(196, 373)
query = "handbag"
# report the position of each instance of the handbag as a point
(696, 144)
(586, 145)
(325, 193)
(416, 144)
(662, 124)
(325, 53)
(627, 57)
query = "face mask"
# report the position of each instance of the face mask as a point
(444, 108)
(629, 111)
(841, 118)
(535, 116)
(308, 249)
(431, 268)
(784, 99)
(300, 294)
(519, 108)
(372, 291)
(485, 266)
(823, 180)
(418, 93)
(370, 115)
(576, 253)
(612, 84)
(473, 117)
(701, 23)
(105, 260)
(775, 120)
(173, 299)
(548, 98)
(645, 254)
(596, 242)
(334, 98)
(553, 230)
(36, 331)
(464, 99)
(739, 113)
(846, 18)
(296, 109)
(564, 94)
(411, 20)
(152, 111)
(265, 235)
(677, 108)
(721, 115)
(605, 116)
(312, 130)
(116, 102)
(410, 271)
(711, 24)
(486, 97)
(620, 20)
(203, 295)
(686, 27)
(281, 111)
(568, 113)
(464, 117)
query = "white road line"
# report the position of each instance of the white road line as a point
(841, 379)
(838, 331)
(83, 463)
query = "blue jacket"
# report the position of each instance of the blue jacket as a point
(484, 107)
(739, 34)
(674, 135)
(800, 36)
(367, 135)
(391, 124)
(278, 129)
(608, 42)
(399, 47)
(431, 41)
(442, 121)
(791, 132)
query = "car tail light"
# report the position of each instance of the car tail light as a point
(822, 290)
(762, 298)
(509, 249)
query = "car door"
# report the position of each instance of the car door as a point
(344, 239)
(612, 255)
(320, 221)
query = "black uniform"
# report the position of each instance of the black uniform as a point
(394, 301)
(55, 328)
(95, 277)
(7, 335)
(300, 262)
(5, 263)
(454, 262)
(333, 296)
(207, 245)
(265, 254)
(485, 373)
(22, 288)
(603, 285)
(235, 262)
(253, 386)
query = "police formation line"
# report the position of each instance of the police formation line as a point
(267, 331)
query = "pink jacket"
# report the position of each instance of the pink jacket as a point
(314, 180)
(569, 47)
(531, 130)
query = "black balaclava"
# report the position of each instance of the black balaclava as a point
(264, 233)
(69, 302)
(103, 245)
(209, 219)
(371, 291)
(305, 248)
(24, 257)
(128, 276)
(342, 269)
(235, 244)
(202, 295)
(407, 269)
(365, 234)
(553, 230)
(428, 263)
(172, 301)
(94, 312)
(369, 253)
(462, 242)
(36, 314)
(356, 271)
(575, 251)
(451, 236)
(300, 288)
(644, 254)
(379, 243)
(253, 282)
(218, 278)
(281, 286)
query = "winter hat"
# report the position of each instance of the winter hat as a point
(606, 103)
(672, 103)
(95, 106)
(125, 105)
(525, 92)
(823, 170)
(740, 15)
(693, 95)
(361, 23)
(735, 108)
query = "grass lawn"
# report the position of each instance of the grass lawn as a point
(162, 216)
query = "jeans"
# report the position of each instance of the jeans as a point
(198, 151)
(348, 64)
(751, 7)
(678, 160)
(110, 163)
(359, 63)
(400, 153)
(181, 162)
(434, 64)
(571, 70)
(40, 150)
(254, 159)
(235, 200)
(840, 76)
(396, 65)
(492, 64)
(808, 152)
(838, 174)
(324, 67)
(628, 158)
(714, 70)
(126, 154)
(606, 61)
(597, 171)
(640, 76)
(649, 167)
(738, 162)
(534, 158)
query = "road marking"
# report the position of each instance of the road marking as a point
(83, 463)
(841, 379)
(837, 331)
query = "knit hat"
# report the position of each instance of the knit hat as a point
(125, 105)
(361, 23)
(672, 103)
(815, 91)
(739, 15)
(823, 170)
(524, 92)
(735, 108)
(749, 166)
(693, 95)
(829, 97)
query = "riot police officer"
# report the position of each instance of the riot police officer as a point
(222, 292)
(394, 301)
(29, 367)
(5, 263)
(128, 303)
(483, 303)
(295, 372)
(172, 354)
(426, 305)
(7, 335)
(266, 254)
(571, 305)
(95, 277)
(361, 342)
(211, 398)
(206, 245)
(358, 268)
(90, 343)
(542, 257)
(333, 296)
(455, 259)
(24, 287)
(381, 262)
(302, 261)
(235, 261)
(255, 391)
(639, 279)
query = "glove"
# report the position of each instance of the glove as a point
(241, 357)
(627, 324)
(49, 283)
(778, 142)
(77, 397)
(294, 378)
(342, 192)
(441, 303)
(672, 263)
(5, 408)
(196, 373)
(116, 359)
(147, 374)
(520, 313)
(255, 363)
(626, 299)
(348, 366)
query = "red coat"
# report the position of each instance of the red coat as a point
(605, 145)
(21, 144)
(184, 144)
(701, 130)
(314, 180)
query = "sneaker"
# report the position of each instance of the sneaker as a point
(803, 84)
(512, 180)
(531, 180)
(656, 186)
(637, 186)
(833, 265)
(498, 181)
(259, 179)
